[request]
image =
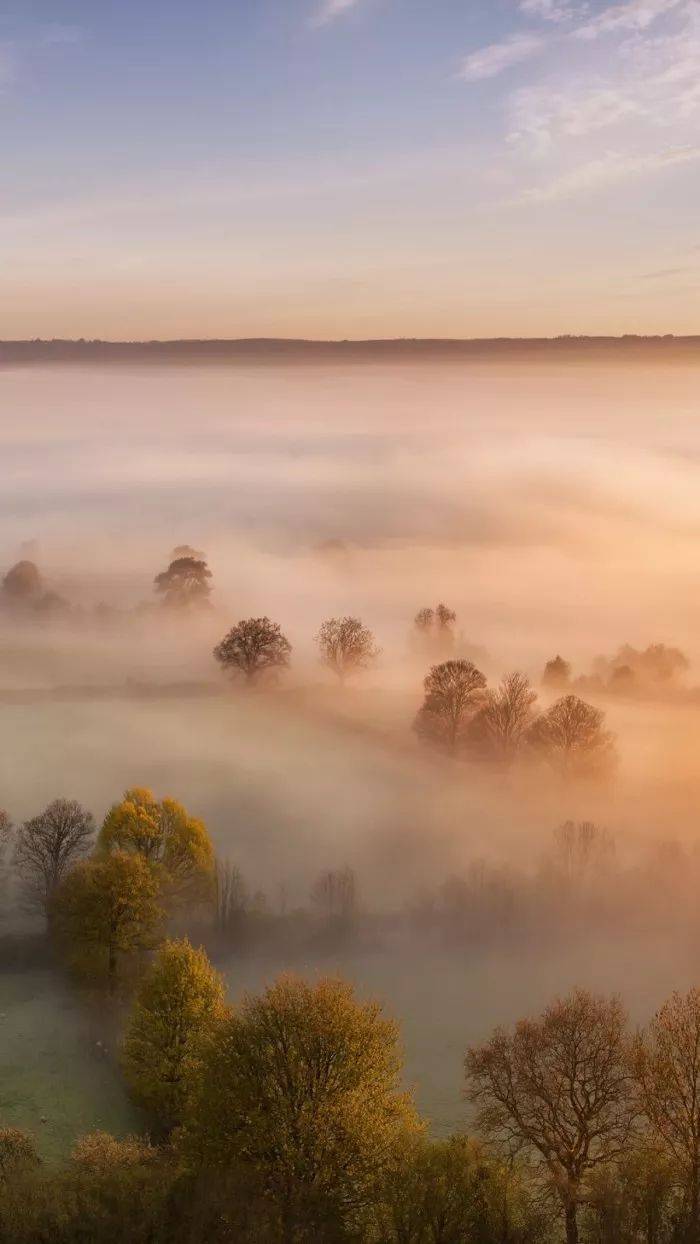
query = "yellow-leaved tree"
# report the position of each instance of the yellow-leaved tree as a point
(178, 1006)
(176, 844)
(108, 905)
(300, 1089)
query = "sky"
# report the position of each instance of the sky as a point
(349, 168)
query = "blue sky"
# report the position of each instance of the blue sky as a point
(349, 167)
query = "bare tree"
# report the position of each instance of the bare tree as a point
(335, 893)
(231, 898)
(666, 1062)
(253, 647)
(581, 848)
(499, 730)
(47, 847)
(558, 1088)
(454, 691)
(185, 583)
(557, 674)
(572, 737)
(347, 647)
(434, 629)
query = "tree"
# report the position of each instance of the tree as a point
(48, 845)
(253, 647)
(434, 629)
(175, 843)
(451, 1192)
(347, 647)
(185, 583)
(558, 1088)
(499, 730)
(572, 737)
(453, 693)
(231, 898)
(301, 1088)
(557, 674)
(22, 585)
(178, 1005)
(334, 893)
(18, 1153)
(108, 904)
(579, 849)
(666, 1063)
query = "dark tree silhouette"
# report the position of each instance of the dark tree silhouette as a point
(185, 583)
(499, 730)
(557, 674)
(558, 1087)
(347, 647)
(454, 691)
(334, 893)
(572, 737)
(22, 585)
(253, 647)
(47, 847)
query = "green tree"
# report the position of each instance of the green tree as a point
(302, 1088)
(108, 905)
(178, 1005)
(176, 844)
(252, 648)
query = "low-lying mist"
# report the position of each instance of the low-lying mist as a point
(554, 508)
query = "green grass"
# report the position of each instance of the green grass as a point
(54, 1080)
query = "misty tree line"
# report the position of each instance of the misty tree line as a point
(104, 895)
(285, 1119)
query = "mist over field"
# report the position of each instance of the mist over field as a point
(552, 505)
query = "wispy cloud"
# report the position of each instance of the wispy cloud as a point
(608, 170)
(331, 9)
(633, 15)
(489, 61)
(552, 10)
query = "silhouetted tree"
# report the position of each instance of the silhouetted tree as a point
(47, 847)
(557, 674)
(579, 849)
(231, 898)
(185, 583)
(347, 647)
(572, 737)
(334, 893)
(499, 730)
(22, 585)
(558, 1088)
(454, 691)
(666, 1062)
(253, 647)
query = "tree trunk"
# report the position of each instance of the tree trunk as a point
(571, 1222)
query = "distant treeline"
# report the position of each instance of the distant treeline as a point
(404, 349)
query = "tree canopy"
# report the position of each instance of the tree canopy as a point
(453, 693)
(346, 646)
(175, 843)
(48, 845)
(302, 1087)
(178, 1005)
(253, 647)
